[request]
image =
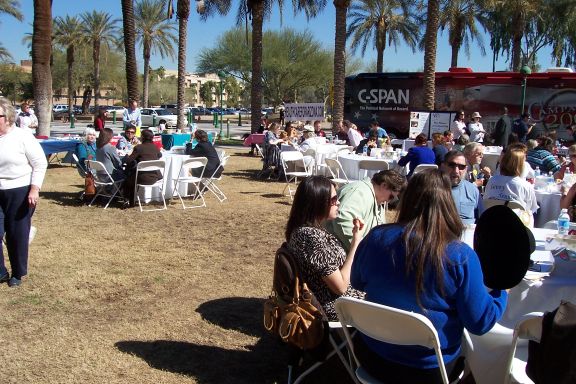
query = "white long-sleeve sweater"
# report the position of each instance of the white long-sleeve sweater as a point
(22, 160)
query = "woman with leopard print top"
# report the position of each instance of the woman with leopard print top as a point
(322, 260)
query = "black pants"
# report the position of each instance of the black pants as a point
(15, 220)
(390, 372)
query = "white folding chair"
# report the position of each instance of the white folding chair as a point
(529, 329)
(526, 216)
(81, 167)
(387, 324)
(185, 177)
(421, 167)
(323, 152)
(337, 172)
(259, 150)
(210, 182)
(104, 182)
(151, 166)
(292, 161)
(371, 165)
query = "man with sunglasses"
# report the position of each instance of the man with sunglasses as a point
(364, 199)
(466, 195)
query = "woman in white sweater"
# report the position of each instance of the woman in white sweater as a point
(22, 169)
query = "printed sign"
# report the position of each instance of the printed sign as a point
(440, 121)
(419, 122)
(304, 112)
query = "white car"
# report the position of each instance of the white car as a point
(57, 108)
(152, 117)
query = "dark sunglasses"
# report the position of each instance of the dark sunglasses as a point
(459, 166)
(334, 200)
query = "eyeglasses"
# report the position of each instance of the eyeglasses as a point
(459, 166)
(334, 200)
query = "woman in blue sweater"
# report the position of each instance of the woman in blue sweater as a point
(418, 154)
(419, 264)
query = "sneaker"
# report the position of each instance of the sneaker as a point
(14, 282)
(4, 278)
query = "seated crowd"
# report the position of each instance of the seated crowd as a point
(120, 160)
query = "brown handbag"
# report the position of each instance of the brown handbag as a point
(89, 186)
(292, 312)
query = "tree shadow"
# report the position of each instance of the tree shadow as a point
(69, 199)
(264, 362)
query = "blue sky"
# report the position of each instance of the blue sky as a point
(204, 34)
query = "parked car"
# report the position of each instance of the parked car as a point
(59, 108)
(159, 116)
(115, 108)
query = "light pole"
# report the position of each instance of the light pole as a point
(525, 71)
(222, 76)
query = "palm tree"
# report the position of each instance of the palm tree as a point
(430, 44)
(41, 74)
(10, 7)
(99, 28)
(182, 12)
(460, 17)
(339, 61)
(130, 48)
(257, 10)
(68, 34)
(5, 55)
(156, 35)
(382, 22)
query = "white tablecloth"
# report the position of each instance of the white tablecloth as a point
(487, 354)
(173, 165)
(491, 157)
(321, 152)
(351, 162)
(549, 204)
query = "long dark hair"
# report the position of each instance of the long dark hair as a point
(104, 138)
(311, 204)
(431, 222)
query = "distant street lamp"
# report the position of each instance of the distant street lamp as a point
(222, 77)
(525, 71)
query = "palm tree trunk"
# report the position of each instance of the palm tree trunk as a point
(146, 74)
(130, 48)
(183, 12)
(339, 61)
(70, 62)
(380, 46)
(256, 86)
(41, 73)
(96, 59)
(454, 60)
(430, 44)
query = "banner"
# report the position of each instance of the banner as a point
(304, 112)
(440, 121)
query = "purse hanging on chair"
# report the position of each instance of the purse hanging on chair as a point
(89, 186)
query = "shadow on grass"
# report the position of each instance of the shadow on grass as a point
(63, 198)
(264, 362)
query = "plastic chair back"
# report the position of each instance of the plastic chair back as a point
(390, 325)
(421, 167)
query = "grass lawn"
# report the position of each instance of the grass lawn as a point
(119, 296)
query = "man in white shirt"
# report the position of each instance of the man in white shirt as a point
(26, 119)
(132, 117)
(354, 137)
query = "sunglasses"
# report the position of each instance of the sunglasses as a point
(459, 166)
(334, 200)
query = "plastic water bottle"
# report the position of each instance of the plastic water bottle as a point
(563, 222)
(365, 150)
(537, 172)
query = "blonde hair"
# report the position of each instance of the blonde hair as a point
(8, 110)
(512, 163)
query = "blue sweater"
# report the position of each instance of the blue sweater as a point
(417, 156)
(379, 270)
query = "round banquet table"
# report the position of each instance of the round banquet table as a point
(350, 164)
(549, 203)
(486, 355)
(173, 166)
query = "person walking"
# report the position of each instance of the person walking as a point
(22, 169)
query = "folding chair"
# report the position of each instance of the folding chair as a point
(387, 324)
(210, 183)
(371, 165)
(337, 172)
(421, 167)
(185, 177)
(531, 329)
(259, 150)
(151, 166)
(291, 162)
(81, 167)
(103, 181)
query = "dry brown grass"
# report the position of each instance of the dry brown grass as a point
(119, 296)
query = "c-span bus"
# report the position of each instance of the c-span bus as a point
(389, 97)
